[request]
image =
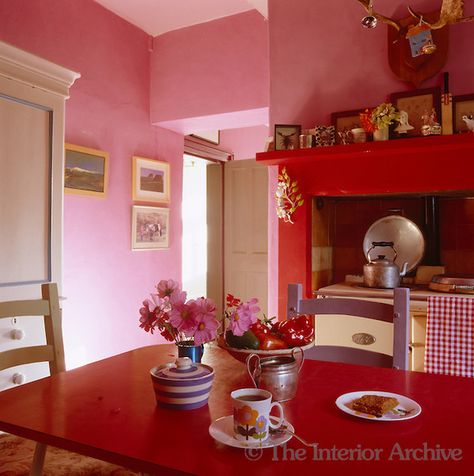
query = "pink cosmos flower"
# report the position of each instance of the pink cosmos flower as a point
(243, 317)
(147, 317)
(167, 288)
(206, 323)
(182, 313)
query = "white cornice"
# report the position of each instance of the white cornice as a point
(35, 71)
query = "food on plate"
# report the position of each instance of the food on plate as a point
(374, 404)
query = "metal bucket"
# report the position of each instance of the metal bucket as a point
(277, 374)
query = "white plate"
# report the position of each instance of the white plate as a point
(222, 430)
(406, 409)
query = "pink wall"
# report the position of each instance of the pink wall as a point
(322, 60)
(104, 281)
(211, 69)
(244, 142)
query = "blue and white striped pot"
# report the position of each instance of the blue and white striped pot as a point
(184, 385)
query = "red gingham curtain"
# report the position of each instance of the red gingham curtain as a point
(450, 336)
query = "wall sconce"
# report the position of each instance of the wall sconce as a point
(287, 197)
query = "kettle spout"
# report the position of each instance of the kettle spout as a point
(404, 269)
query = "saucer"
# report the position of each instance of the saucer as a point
(222, 430)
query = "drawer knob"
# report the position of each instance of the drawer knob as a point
(18, 378)
(17, 334)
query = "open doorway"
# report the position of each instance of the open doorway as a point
(195, 233)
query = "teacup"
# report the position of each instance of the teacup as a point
(252, 407)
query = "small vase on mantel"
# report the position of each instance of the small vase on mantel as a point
(186, 348)
(381, 134)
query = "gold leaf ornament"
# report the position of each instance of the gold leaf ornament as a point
(287, 197)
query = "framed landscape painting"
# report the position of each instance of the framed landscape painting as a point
(151, 180)
(85, 171)
(150, 228)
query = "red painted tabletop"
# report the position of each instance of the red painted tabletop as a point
(107, 410)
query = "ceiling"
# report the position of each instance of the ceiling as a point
(156, 17)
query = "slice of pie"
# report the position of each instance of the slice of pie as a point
(374, 404)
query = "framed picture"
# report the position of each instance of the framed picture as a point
(287, 136)
(85, 171)
(150, 228)
(210, 136)
(346, 120)
(462, 106)
(416, 104)
(150, 180)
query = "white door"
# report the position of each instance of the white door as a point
(246, 231)
(31, 192)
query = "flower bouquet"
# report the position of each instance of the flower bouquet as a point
(177, 319)
(246, 333)
(380, 118)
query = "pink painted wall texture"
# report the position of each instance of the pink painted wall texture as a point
(104, 281)
(322, 60)
(211, 69)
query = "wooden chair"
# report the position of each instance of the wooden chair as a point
(52, 352)
(398, 313)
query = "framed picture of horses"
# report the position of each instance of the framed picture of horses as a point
(150, 228)
(150, 180)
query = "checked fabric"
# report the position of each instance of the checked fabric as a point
(450, 336)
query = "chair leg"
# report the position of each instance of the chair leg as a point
(38, 460)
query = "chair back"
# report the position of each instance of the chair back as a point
(48, 310)
(396, 313)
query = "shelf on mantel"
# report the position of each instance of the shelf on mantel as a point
(398, 147)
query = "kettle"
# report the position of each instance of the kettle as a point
(381, 272)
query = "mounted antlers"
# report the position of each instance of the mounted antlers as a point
(451, 12)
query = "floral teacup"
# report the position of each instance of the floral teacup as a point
(252, 408)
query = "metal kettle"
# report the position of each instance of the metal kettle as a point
(381, 272)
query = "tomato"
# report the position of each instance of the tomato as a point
(272, 342)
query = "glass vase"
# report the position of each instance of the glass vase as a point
(187, 348)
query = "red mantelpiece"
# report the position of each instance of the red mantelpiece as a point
(426, 165)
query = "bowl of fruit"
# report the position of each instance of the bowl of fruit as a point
(247, 334)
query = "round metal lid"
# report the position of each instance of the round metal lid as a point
(407, 239)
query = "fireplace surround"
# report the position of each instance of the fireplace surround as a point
(428, 179)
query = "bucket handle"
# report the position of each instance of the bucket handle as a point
(293, 352)
(255, 374)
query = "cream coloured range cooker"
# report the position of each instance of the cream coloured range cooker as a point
(337, 329)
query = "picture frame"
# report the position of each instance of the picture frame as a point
(86, 171)
(150, 180)
(347, 120)
(213, 136)
(287, 136)
(462, 106)
(150, 228)
(416, 103)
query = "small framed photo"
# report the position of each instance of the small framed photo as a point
(150, 180)
(210, 136)
(85, 171)
(417, 104)
(463, 106)
(346, 120)
(287, 137)
(150, 228)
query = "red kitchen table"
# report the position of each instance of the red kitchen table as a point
(107, 410)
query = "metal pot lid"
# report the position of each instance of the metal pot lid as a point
(407, 239)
